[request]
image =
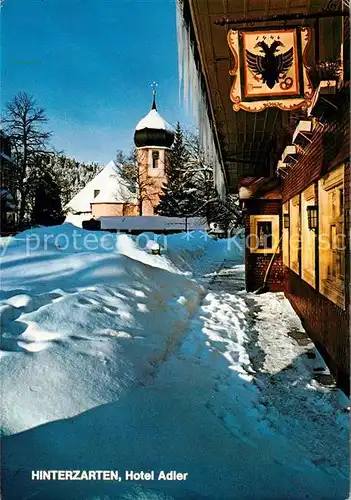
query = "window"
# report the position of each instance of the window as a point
(332, 237)
(264, 237)
(155, 159)
(286, 224)
(264, 233)
(295, 233)
(96, 192)
(308, 238)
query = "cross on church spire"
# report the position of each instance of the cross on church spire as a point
(154, 85)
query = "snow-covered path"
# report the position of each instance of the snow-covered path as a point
(237, 406)
(299, 394)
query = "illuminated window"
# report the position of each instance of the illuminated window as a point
(155, 159)
(308, 238)
(332, 237)
(264, 233)
(295, 233)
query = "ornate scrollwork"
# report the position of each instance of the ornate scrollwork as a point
(271, 104)
(331, 5)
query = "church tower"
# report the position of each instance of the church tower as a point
(153, 138)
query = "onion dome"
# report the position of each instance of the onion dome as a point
(153, 130)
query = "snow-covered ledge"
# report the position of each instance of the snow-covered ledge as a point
(282, 165)
(288, 153)
(282, 168)
(302, 132)
(245, 193)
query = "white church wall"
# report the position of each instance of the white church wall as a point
(110, 190)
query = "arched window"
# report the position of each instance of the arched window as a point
(155, 159)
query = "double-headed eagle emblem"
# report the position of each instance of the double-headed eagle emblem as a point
(270, 67)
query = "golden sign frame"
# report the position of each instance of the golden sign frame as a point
(285, 104)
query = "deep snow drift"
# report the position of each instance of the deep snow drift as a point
(86, 315)
(132, 361)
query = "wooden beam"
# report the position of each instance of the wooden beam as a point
(297, 16)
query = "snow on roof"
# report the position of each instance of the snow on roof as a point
(110, 188)
(153, 120)
(152, 223)
(115, 191)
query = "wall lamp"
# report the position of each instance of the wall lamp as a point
(286, 221)
(312, 216)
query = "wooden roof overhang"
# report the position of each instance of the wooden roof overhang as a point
(245, 139)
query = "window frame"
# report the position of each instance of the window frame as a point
(331, 287)
(155, 157)
(274, 220)
(294, 252)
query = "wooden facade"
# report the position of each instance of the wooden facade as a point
(318, 287)
(298, 161)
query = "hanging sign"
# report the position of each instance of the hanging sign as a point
(270, 69)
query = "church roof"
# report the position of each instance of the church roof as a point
(153, 130)
(106, 187)
(153, 120)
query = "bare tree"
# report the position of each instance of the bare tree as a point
(23, 123)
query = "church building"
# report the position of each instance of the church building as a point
(153, 139)
(107, 195)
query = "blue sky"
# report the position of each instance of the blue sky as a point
(90, 64)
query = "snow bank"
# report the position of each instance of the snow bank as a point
(204, 414)
(225, 397)
(87, 315)
(200, 254)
